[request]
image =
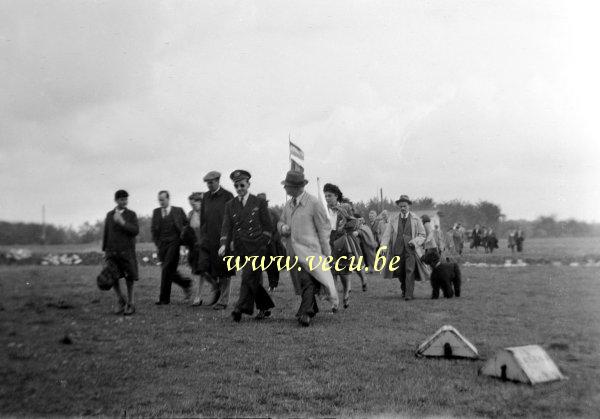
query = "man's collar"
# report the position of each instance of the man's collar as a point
(215, 192)
(298, 198)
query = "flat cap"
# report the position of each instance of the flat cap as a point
(212, 175)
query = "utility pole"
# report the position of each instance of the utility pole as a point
(381, 199)
(43, 238)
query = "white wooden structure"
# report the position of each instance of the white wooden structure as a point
(527, 364)
(447, 342)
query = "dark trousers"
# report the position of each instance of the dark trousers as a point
(168, 254)
(273, 275)
(406, 274)
(309, 287)
(252, 291)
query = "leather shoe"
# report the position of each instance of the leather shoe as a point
(304, 320)
(161, 303)
(236, 316)
(263, 314)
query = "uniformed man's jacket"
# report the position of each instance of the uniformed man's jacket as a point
(249, 226)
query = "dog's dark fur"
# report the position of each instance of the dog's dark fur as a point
(445, 276)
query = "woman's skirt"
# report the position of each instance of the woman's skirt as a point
(344, 247)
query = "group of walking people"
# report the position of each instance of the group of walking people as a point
(222, 224)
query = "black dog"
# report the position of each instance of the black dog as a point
(443, 275)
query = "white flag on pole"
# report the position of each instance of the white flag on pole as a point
(296, 151)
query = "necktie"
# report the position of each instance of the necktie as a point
(242, 200)
(164, 212)
(294, 201)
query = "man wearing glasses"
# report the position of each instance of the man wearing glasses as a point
(247, 224)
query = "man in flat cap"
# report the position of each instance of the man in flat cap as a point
(247, 224)
(168, 224)
(120, 228)
(410, 235)
(211, 221)
(275, 247)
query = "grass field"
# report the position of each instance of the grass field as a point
(552, 247)
(184, 361)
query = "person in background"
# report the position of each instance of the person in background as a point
(519, 239)
(374, 225)
(484, 237)
(450, 240)
(492, 240)
(458, 237)
(440, 242)
(193, 238)
(118, 244)
(410, 235)
(384, 221)
(368, 244)
(512, 240)
(211, 221)
(168, 224)
(476, 237)
(430, 245)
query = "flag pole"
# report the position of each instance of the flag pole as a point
(289, 161)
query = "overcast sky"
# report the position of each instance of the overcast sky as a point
(473, 100)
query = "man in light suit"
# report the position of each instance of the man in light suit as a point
(410, 236)
(305, 228)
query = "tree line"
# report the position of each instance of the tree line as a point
(484, 213)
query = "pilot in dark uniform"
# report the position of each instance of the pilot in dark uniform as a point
(247, 223)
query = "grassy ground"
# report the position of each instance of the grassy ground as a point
(178, 360)
(549, 248)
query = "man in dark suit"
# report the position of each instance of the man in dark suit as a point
(247, 223)
(118, 243)
(167, 225)
(211, 221)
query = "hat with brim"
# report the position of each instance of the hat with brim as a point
(404, 198)
(294, 178)
(212, 175)
(239, 175)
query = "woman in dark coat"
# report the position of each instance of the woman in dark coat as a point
(192, 237)
(343, 240)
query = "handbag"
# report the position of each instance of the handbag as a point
(108, 276)
(341, 247)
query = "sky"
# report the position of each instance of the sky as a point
(471, 100)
